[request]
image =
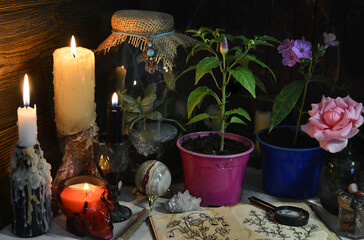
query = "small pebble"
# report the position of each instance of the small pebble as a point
(353, 188)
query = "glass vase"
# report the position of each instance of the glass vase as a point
(339, 170)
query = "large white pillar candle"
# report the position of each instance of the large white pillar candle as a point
(74, 88)
(27, 119)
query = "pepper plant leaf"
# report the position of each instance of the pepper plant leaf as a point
(198, 47)
(260, 84)
(268, 38)
(205, 66)
(245, 77)
(198, 118)
(195, 98)
(235, 119)
(285, 102)
(256, 60)
(262, 42)
(240, 111)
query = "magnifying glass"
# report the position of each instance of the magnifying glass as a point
(286, 215)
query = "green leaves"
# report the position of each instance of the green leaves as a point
(169, 80)
(150, 96)
(245, 77)
(136, 109)
(198, 117)
(195, 98)
(205, 66)
(240, 111)
(256, 60)
(285, 102)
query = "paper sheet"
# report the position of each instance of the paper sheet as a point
(242, 221)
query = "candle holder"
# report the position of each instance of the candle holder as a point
(112, 160)
(78, 157)
(30, 191)
(87, 208)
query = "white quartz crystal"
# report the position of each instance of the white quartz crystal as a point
(183, 202)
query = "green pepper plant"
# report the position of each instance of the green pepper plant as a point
(231, 65)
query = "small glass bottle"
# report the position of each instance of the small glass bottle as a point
(351, 215)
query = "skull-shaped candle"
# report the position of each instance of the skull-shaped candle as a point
(85, 202)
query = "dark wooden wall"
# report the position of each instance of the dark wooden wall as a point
(30, 30)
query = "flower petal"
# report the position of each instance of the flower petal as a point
(339, 133)
(334, 146)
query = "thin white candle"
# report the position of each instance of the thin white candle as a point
(74, 87)
(27, 119)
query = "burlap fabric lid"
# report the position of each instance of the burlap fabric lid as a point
(143, 27)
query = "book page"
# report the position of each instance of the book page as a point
(259, 224)
(242, 221)
(212, 223)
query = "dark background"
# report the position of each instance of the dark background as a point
(31, 30)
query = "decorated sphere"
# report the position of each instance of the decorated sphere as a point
(153, 178)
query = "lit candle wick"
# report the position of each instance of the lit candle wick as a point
(114, 100)
(26, 96)
(73, 46)
(135, 82)
(86, 187)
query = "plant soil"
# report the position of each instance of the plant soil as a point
(210, 145)
(284, 136)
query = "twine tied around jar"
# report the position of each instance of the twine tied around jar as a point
(150, 31)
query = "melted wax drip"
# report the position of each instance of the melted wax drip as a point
(30, 192)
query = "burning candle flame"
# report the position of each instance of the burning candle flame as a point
(73, 46)
(135, 82)
(86, 187)
(26, 97)
(114, 100)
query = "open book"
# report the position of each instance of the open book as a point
(242, 222)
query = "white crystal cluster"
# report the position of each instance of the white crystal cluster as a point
(183, 202)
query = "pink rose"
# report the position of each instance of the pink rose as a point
(334, 121)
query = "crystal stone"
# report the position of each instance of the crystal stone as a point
(183, 202)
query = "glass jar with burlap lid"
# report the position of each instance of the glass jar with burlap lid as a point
(150, 31)
(351, 215)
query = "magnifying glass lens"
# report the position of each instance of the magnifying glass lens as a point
(289, 213)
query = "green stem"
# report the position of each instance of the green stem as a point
(223, 98)
(242, 56)
(308, 78)
(176, 122)
(213, 76)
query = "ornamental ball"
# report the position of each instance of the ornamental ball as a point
(153, 178)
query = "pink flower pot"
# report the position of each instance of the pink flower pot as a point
(217, 179)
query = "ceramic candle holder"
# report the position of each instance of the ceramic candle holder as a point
(84, 200)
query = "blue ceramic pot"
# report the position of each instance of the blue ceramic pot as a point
(290, 172)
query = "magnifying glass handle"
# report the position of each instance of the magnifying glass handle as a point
(258, 202)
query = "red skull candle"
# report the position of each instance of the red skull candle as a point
(84, 200)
